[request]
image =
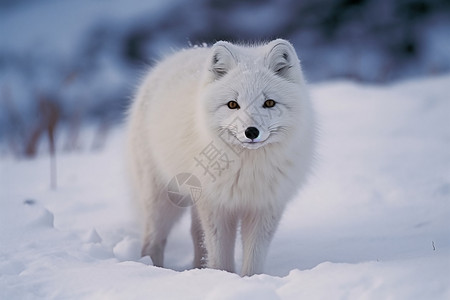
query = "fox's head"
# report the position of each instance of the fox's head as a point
(253, 95)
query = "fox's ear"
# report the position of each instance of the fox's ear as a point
(222, 59)
(282, 60)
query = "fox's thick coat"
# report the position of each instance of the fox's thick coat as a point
(239, 119)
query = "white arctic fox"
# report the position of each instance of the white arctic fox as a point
(237, 122)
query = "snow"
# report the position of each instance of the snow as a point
(372, 223)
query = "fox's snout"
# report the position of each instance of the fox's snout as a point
(252, 133)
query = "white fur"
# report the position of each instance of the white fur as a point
(181, 108)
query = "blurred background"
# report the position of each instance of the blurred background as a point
(68, 65)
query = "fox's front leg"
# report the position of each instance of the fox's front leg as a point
(220, 237)
(258, 229)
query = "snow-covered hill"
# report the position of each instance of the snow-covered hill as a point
(373, 222)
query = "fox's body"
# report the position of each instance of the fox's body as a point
(250, 156)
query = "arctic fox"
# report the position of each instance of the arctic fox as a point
(235, 119)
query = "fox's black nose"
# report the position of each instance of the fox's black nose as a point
(252, 133)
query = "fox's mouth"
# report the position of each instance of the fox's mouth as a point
(246, 142)
(252, 144)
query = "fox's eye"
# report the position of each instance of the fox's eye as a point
(233, 105)
(269, 103)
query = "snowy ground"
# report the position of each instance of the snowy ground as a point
(373, 222)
